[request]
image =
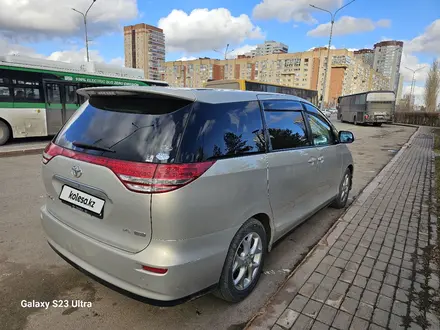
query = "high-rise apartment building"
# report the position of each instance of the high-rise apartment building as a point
(144, 47)
(269, 47)
(347, 75)
(366, 55)
(387, 58)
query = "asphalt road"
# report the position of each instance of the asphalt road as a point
(30, 270)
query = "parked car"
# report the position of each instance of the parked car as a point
(327, 113)
(163, 193)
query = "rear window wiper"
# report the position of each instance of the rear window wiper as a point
(92, 147)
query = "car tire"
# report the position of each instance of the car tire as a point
(5, 133)
(231, 286)
(344, 189)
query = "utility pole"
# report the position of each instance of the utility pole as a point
(413, 84)
(332, 15)
(225, 53)
(85, 26)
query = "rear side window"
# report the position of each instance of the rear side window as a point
(135, 129)
(222, 130)
(287, 129)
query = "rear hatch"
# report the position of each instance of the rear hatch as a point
(98, 171)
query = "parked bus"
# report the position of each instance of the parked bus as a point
(38, 96)
(376, 107)
(248, 85)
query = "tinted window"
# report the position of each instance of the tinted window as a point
(281, 105)
(53, 93)
(5, 94)
(222, 130)
(286, 129)
(70, 92)
(321, 131)
(26, 94)
(136, 129)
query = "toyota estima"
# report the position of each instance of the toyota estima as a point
(164, 193)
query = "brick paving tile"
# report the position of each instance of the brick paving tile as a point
(373, 276)
(327, 314)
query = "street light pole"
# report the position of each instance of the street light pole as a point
(225, 54)
(413, 83)
(85, 26)
(332, 15)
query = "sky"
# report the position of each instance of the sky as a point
(195, 28)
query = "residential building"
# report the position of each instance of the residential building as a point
(387, 58)
(144, 47)
(348, 74)
(399, 90)
(365, 55)
(269, 47)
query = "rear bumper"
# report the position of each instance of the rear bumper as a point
(193, 265)
(372, 120)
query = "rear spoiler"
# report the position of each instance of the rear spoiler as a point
(152, 91)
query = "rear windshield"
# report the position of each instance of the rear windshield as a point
(133, 129)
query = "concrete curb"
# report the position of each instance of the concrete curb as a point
(272, 310)
(405, 125)
(21, 152)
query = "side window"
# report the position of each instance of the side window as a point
(287, 129)
(19, 94)
(5, 94)
(26, 94)
(53, 93)
(322, 132)
(222, 130)
(70, 92)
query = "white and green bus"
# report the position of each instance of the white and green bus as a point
(38, 96)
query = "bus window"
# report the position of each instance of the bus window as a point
(19, 94)
(26, 94)
(5, 94)
(32, 94)
(53, 93)
(70, 92)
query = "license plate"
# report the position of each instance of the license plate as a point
(82, 200)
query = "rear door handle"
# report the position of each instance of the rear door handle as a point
(312, 160)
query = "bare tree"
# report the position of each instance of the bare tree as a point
(432, 87)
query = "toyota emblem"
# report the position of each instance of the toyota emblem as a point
(76, 171)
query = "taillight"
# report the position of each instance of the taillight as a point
(138, 177)
(366, 116)
(155, 270)
(50, 152)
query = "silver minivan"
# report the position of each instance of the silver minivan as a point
(164, 193)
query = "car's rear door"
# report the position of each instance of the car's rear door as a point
(292, 163)
(97, 166)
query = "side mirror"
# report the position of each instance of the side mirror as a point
(346, 137)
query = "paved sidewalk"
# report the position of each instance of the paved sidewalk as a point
(374, 269)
